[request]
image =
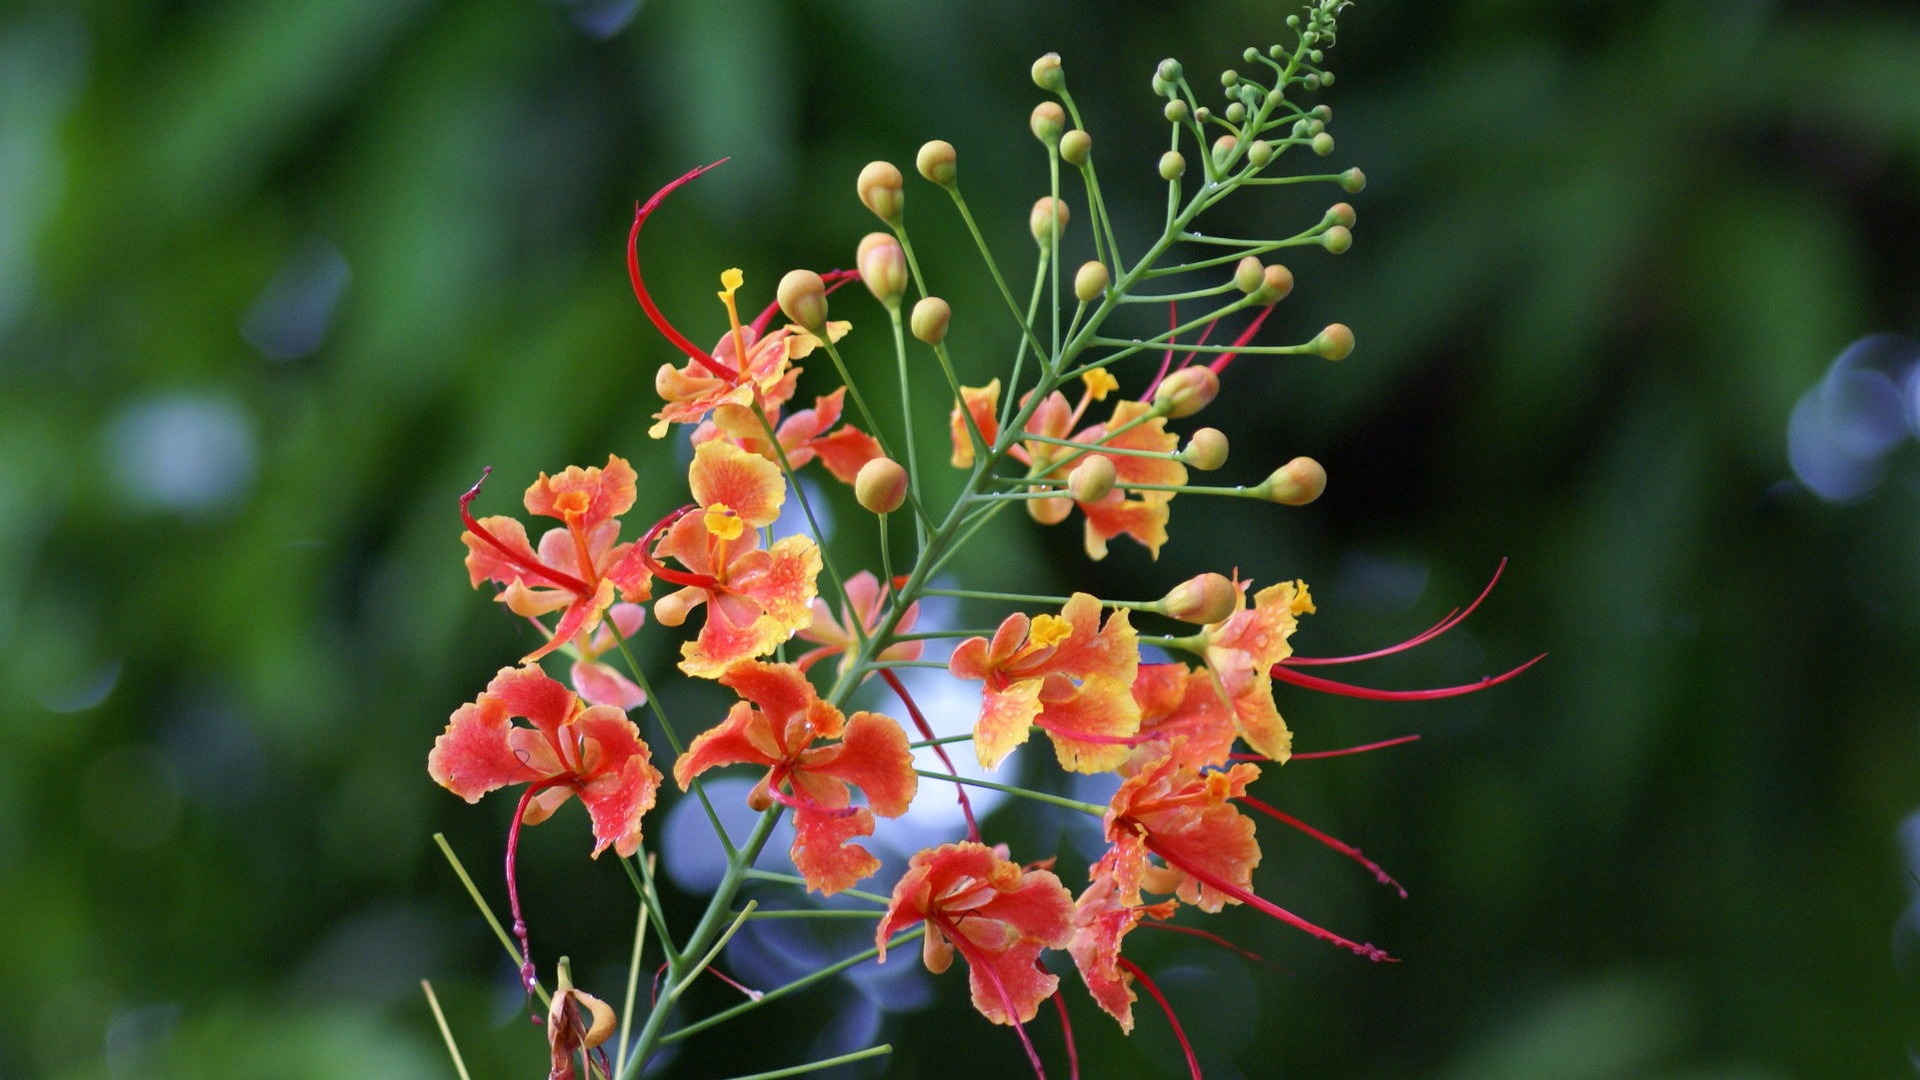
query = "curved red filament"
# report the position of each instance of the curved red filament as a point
(647, 305)
(553, 577)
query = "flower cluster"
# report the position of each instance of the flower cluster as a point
(1069, 427)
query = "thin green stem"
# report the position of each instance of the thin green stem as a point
(649, 899)
(1191, 294)
(1035, 598)
(801, 983)
(673, 737)
(633, 983)
(446, 1033)
(795, 879)
(739, 920)
(814, 913)
(944, 740)
(1024, 793)
(993, 268)
(906, 418)
(480, 902)
(823, 1063)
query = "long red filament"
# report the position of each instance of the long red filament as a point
(1329, 686)
(654, 567)
(527, 979)
(1261, 904)
(1066, 1031)
(1336, 844)
(1194, 931)
(1453, 619)
(1312, 755)
(1166, 362)
(926, 732)
(654, 316)
(1242, 338)
(555, 577)
(965, 945)
(1193, 1063)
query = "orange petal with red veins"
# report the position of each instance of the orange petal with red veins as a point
(821, 851)
(747, 484)
(983, 404)
(601, 494)
(486, 562)
(582, 615)
(873, 757)
(1112, 650)
(1184, 711)
(740, 739)
(529, 692)
(621, 782)
(601, 684)
(1006, 717)
(472, 756)
(1116, 515)
(1259, 720)
(1102, 707)
(779, 690)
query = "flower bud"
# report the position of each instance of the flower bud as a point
(929, 319)
(1322, 113)
(1172, 165)
(1337, 239)
(1203, 114)
(880, 486)
(1333, 343)
(1326, 78)
(1296, 483)
(1047, 74)
(803, 298)
(1175, 112)
(1223, 149)
(880, 190)
(1204, 598)
(1169, 70)
(1075, 147)
(1250, 55)
(936, 162)
(1352, 181)
(1248, 273)
(1187, 391)
(1092, 479)
(1315, 127)
(673, 608)
(1236, 112)
(1090, 282)
(1317, 56)
(1276, 282)
(1047, 122)
(1049, 511)
(1322, 144)
(1342, 214)
(883, 267)
(1206, 449)
(1048, 220)
(1311, 81)
(1229, 77)
(1260, 153)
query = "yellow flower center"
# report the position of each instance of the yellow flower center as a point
(723, 522)
(731, 280)
(1049, 630)
(1100, 382)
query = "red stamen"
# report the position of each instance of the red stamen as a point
(555, 577)
(1205, 333)
(528, 981)
(1195, 931)
(1328, 686)
(926, 732)
(1453, 619)
(653, 993)
(974, 962)
(678, 577)
(1268, 907)
(1166, 362)
(1340, 846)
(1245, 336)
(1193, 1063)
(1342, 752)
(752, 994)
(1066, 1030)
(654, 316)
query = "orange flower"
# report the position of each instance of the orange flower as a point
(755, 599)
(1242, 649)
(1067, 673)
(802, 436)
(1182, 713)
(571, 749)
(777, 726)
(995, 914)
(577, 567)
(866, 602)
(1140, 514)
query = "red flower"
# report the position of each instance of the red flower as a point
(577, 567)
(778, 726)
(571, 749)
(1066, 673)
(995, 914)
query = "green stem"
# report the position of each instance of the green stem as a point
(481, 903)
(813, 913)
(1024, 793)
(823, 1063)
(993, 268)
(906, 418)
(796, 879)
(801, 983)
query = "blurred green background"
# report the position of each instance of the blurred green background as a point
(276, 280)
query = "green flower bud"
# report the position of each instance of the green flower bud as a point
(1047, 122)
(1047, 74)
(1316, 56)
(1276, 282)
(880, 191)
(1092, 479)
(1322, 144)
(1236, 112)
(1322, 113)
(1205, 598)
(1048, 220)
(1206, 449)
(1296, 483)
(1326, 78)
(1203, 114)
(1315, 127)
(1075, 147)
(1176, 111)
(1311, 81)
(1162, 88)
(1223, 149)
(1229, 77)
(880, 486)
(1090, 282)
(1170, 70)
(1251, 55)
(1293, 22)
(803, 298)
(1342, 214)
(929, 319)
(1337, 239)
(1353, 181)
(1333, 343)
(883, 267)
(1172, 164)
(936, 162)
(1248, 273)
(1260, 153)
(1187, 391)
